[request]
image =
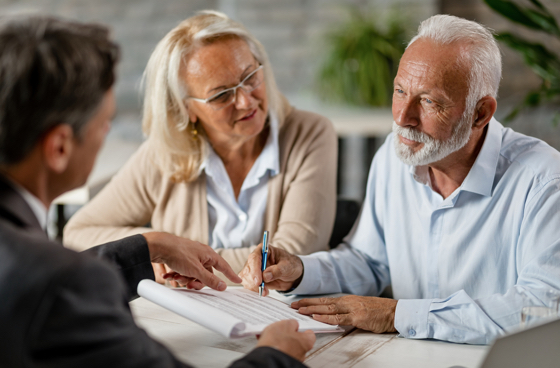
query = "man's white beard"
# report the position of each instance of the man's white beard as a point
(433, 150)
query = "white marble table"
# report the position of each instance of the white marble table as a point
(356, 348)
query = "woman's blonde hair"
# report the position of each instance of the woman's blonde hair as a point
(179, 153)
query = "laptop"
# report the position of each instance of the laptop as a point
(537, 347)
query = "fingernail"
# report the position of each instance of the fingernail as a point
(221, 285)
(267, 276)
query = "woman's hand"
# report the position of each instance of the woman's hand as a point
(177, 280)
(163, 273)
(159, 271)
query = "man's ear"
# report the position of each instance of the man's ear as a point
(485, 109)
(58, 145)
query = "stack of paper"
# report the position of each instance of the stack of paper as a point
(231, 313)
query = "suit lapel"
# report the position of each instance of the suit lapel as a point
(14, 208)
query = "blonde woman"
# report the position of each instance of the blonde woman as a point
(226, 156)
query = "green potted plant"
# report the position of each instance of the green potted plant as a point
(362, 61)
(544, 62)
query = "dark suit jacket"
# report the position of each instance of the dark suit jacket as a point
(59, 308)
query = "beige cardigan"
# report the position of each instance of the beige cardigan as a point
(300, 205)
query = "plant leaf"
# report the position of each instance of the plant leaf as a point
(540, 19)
(543, 62)
(362, 62)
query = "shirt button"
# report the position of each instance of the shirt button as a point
(411, 332)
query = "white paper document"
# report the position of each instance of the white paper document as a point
(231, 313)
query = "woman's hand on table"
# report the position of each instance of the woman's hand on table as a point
(165, 274)
(159, 272)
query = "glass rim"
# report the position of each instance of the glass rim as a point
(234, 89)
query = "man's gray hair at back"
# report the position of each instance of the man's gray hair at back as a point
(482, 52)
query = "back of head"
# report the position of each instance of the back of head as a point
(52, 72)
(481, 53)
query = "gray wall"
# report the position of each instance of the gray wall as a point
(137, 25)
(292, 31)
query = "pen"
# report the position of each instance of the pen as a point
(264, 255)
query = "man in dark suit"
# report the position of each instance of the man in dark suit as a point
(59, 308)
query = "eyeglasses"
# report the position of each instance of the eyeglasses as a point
(227, 96)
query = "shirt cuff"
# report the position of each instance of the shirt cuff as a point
(411, 318)
(309, 281)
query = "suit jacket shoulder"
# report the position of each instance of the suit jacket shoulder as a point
(66, 309)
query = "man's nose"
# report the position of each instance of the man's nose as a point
(406, 113)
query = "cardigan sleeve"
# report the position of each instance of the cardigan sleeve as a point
(121, 209)
(302, 198)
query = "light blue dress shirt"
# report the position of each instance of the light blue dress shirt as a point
(462, 267)
(235, 223)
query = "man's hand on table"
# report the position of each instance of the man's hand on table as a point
(192, 262)
(283, 270)
(283, 336)
(365, 312)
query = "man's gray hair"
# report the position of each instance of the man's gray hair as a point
(482, 52)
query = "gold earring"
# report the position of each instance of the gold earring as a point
(194, 132)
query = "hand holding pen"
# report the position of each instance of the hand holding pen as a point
(282, 270)
(264, 257)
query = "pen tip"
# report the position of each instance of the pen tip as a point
(260, 291)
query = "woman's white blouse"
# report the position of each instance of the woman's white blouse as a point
(239, 223)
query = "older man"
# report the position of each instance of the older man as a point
(59, 308)
(461, 215)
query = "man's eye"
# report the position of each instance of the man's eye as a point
(399, 90)
(429, 101)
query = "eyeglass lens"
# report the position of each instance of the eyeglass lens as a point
(226, 97)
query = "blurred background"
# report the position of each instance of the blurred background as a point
(334, 57)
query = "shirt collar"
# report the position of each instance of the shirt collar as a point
(34, 203)
(480, 178)
(269, 159)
